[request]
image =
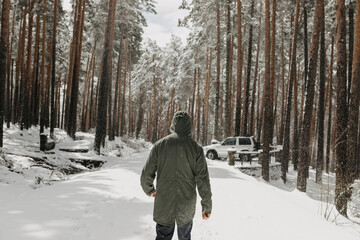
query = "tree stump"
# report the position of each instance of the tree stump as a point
(44, 145)
(231, 157)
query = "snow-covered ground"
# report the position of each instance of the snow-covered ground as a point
(109, 204)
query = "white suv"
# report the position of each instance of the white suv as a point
(220, 150)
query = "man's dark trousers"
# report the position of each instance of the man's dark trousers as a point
(166, 232)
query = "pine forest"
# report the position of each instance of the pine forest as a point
(285, 72)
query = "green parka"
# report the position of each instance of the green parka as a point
(179, 164)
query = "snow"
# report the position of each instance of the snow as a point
(110, 204)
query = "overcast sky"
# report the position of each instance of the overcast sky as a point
(163, 24)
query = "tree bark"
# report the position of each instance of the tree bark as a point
(341, 193)
(4, 44)
(321, 111)
(306, 124)
(238, 70)
(352, 141)
(227, 85)
(27, 80)
(330, 95)
(105, 78)
(42, 80)
(248, 75)
(286, 140)
(78, 34)
(217, 84)
(351, 47)
(53, 70)
(265, 156)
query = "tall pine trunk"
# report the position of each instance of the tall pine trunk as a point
(305, 137)
(341, 191)
(105, 78)
(248, 75)
(265, 155)
(228, 59)
(74, 90)
(330, 95)
(285, 154)
(53, 70)
(352, 141)
(321, 105)
(4, 44)
(27, 78)
(238, 71)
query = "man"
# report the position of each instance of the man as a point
(180, 166)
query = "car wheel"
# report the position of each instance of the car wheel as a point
(212, 155)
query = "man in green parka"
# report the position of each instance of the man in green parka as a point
(179, 165)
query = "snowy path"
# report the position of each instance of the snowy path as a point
(109, 204)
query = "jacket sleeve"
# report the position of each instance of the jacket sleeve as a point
(203, 181)
(149, 172)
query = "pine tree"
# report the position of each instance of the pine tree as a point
(105, 78)
(248, 75)
(321, 111)
(53, 54)
(352, 141)
(238, 71)
(308, 114)
(341, 191)
(265, 156)
(75, 65)
(227, 85)
(4, 44)
(286, 140)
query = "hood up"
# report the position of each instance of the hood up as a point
(181, 124)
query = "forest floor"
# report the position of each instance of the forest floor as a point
(109, 204)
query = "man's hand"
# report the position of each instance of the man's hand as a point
(153, 194)
(206, 216)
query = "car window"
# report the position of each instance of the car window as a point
(244, 141)
(229, 141)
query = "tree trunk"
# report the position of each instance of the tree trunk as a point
(256, 76)
(352, 141)
(306, 124)
(330, 95)
(115, 126)
(122, 119)
(155, 122)
(238, 71)
(341, 193)
(295, 151)
(351, 48)
(321, 111)
(265, 156)
(282, 125)
(227, 84)
(306, 50)
(53, 46)
(286, 141)
(193, 98)
(27, 80)
(248, 75)
(206, 99)
(129, 98)
(140, 118)
(105, 78)
(71, 130)
(35, 75)
(4, 44)
(42, 80)
(273, 98)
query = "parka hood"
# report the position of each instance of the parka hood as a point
(181, 124)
